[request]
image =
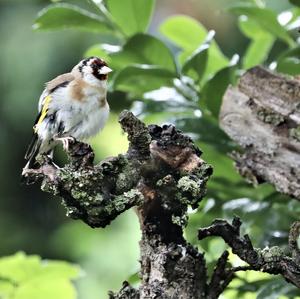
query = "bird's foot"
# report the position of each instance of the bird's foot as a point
(66, 141)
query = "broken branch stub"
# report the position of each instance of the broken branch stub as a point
(262, 114)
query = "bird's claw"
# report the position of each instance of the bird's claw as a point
(66, 141)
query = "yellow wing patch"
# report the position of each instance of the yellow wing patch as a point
(43, 113)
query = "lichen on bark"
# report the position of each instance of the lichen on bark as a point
(160, 175)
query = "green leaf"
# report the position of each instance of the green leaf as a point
(134, 278)
(189, 34)
(19, 267)
(266, 18)
(214, 89)
(58, 270)
(195, 64)
(260, 46)
(98, 51)
(274, 289)
(184, 31)
(289, 62)
(46, 289)
(67, 16)
(131, 16)
(6, 289)
(145, 49)
(258, 51)
(295, 2)
(141, 78)
(29, 277)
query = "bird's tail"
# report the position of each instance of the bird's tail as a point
(31, 153)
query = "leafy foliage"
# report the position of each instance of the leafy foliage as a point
(181, 78)
(24, 277)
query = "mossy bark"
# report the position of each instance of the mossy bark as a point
(161, 175)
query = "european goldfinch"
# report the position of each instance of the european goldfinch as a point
(73, 105)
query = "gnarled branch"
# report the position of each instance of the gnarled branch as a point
(161, 174)
(271, 260)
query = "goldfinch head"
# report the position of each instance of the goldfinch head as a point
(92, 69)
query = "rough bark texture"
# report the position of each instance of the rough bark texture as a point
(161, 174)
(271, 260)
(262, 114)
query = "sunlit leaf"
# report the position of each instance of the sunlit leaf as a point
(188, 34)
(145, 49)
(266, 18)
(67, 16)
(19, 267)
(6, 289)
(260, 46)
(29, 277)
(142, 78)
(46, 289)
(258, 51)
(184, 31)
(132, 16)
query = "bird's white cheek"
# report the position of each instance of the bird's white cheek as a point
(91, 79)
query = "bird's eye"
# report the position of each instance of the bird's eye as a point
(103, 77)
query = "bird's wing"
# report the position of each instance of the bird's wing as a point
(60, 81)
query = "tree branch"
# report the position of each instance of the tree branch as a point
(271, 260)
(161, 174)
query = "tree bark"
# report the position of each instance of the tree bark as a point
(262, 114)
(161, 175)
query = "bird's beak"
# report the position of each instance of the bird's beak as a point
(105, 70)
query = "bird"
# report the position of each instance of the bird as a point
(72, 106)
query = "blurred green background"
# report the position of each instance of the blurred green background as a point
(34, 222)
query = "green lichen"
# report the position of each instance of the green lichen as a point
(186, 184)
(127, 178)
(65, 175)
(79, 194)
(180, 220)
(272, 254)
(295, 133)
(168, 180)
(270, 117)
(49, 187)
(120, 202)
